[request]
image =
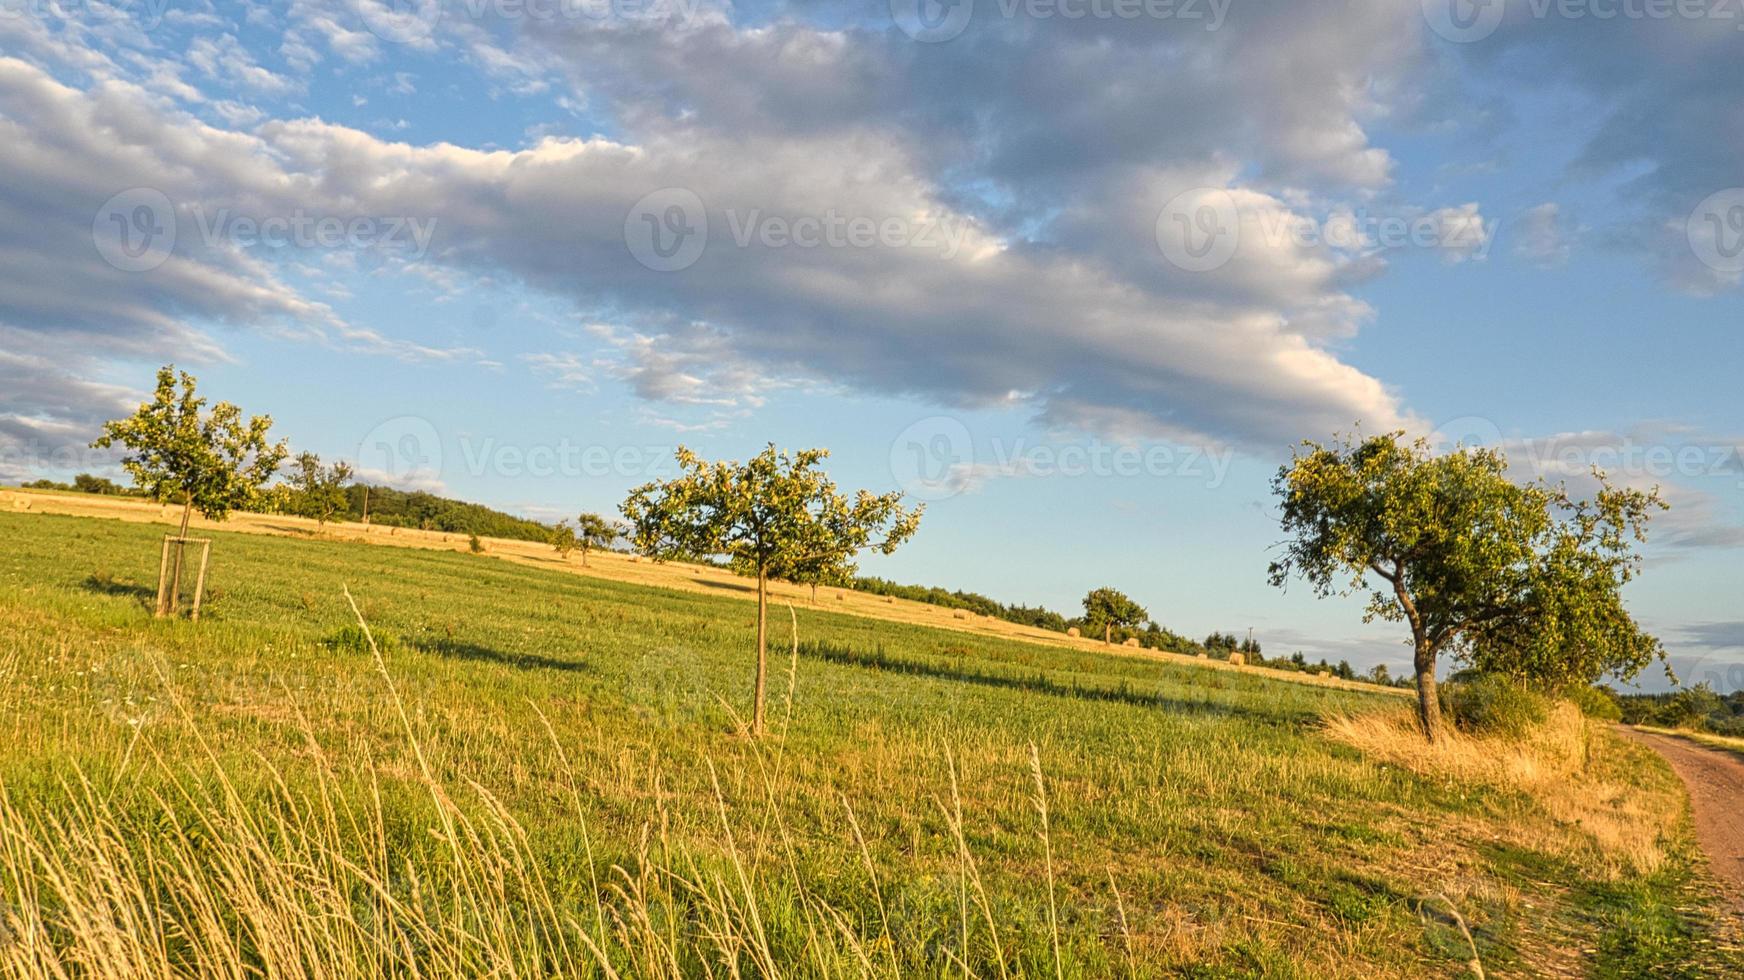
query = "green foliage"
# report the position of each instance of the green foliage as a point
(1516, 579)
(774, 516)
(1228, 643)
(211, 461)
(1698, 708)
(1110, 611)
(1595, 701)
(426, 511)
(1488, 704)
(319, 491)
(84, 483)
(593, 531)
(563, 539)
(1694, 707)
(474, 545)
(974, 602)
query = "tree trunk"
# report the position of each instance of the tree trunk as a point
(1422, 660)
(762, 651)
(1107, 634)
(1428, 701)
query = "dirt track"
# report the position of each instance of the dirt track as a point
(1715, 779)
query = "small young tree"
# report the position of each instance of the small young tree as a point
(563, 540)
(211, 461)
(594, 531)
(1110, 609)
(1513, 578)
(818, 573)
(775, 514)
(320, 490)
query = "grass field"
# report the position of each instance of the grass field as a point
(531, 773)
(618, 567)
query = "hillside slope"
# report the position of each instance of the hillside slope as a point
(609, 565)
(545, 771)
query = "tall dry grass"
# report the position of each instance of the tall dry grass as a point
(203, 876)
(1569, 764)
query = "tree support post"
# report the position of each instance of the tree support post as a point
(169, 584)
(160, 608)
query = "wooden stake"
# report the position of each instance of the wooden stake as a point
(200, 581)
(163, 570)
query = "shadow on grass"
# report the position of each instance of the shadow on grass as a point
(294, 530)
(1037, 682)
(459, 650)
(104, 585)
(723, 586)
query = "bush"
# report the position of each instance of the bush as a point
(1693, 708)
(1732, 727)
(1600, 703)
(1489, 704)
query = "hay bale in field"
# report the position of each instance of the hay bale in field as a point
(959, 614)
(1237, 659)
(1073, 631)
(1203, 655)
(1131, 641)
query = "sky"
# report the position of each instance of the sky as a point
(1077, 274)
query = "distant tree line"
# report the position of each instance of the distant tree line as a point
(1696, 708)
(324, 493)
(86, 483)
(426, 511)
(973, 602)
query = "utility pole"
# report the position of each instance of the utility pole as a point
(366, 504)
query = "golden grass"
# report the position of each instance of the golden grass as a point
(1709, 739)
(1569, 764)
(230, 883)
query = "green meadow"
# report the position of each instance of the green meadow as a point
(493, 769)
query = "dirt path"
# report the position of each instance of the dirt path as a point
(1715, 779)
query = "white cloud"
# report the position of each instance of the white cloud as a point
(1539, 235)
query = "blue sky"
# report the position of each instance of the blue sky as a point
(1076, 273)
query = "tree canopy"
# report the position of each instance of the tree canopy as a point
(1514, 578)
(1107, 610)
(777, 515)
(212, 460)
(319, 490)
(593, 531)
